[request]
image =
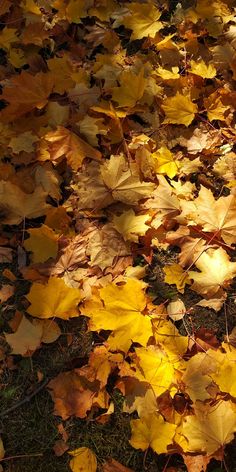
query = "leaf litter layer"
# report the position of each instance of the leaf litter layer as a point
(117, 198)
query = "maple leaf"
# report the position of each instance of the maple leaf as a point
(163, 203)
(84, 460)
(130, 225)
(168, 337)
(164, 162)
(105, 245)
(70, 395)
(217, 216)
(64, 142)
(174, 274)
(26, 339)
(152, 431)
(121, 312)
(17, 205)
(53, 299)
(166, 74)
(179, 110)
(142, 20)
(7, 37)
(101, 363)
(123, 181)
(197, 378)
(131, 89)
(90, 127)
(206, 71)
(224, 369)
(23, 142)
(155, 368)
(216, 272)
(42, 243)
(210, 429)
(24, 92)
(215, 107)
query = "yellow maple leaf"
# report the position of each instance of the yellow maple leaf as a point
(42, 243)
(64, 142)
(216, 272)
(179, 110)
(211, 428)
(166, 74)
(53, 299)
(164, 162)
(7, 37)
(84, 460)
(61, 70)
(154, 367)
(175, 274)
(224, 369)
(131, 89)
(152, 431)
(130, 225)
(174, 344)
(17, 57)
(76, 10)
(142, 20)
(121, 312)
(206, 71)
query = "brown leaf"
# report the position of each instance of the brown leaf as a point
(60, 447)
(64, 142)
(114, 466)
(6, 292)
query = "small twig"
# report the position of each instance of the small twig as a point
(226, 323)
(25, 400)
(38, 454)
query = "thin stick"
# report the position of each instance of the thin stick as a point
(25, 400)
(39, 454)
(226, 323)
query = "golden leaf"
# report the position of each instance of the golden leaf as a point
(211, 428)
(130, 225)
(131, 89)
(174, 274)
(179, 110)
(152, 431)
(120, 312)
(53, 299)
(42, 243)
(63, 142)
(206, 71)
(216, 271)
(84, 460)
(164, 162)
(142, 20)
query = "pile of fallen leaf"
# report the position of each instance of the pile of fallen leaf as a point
(117, 141)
